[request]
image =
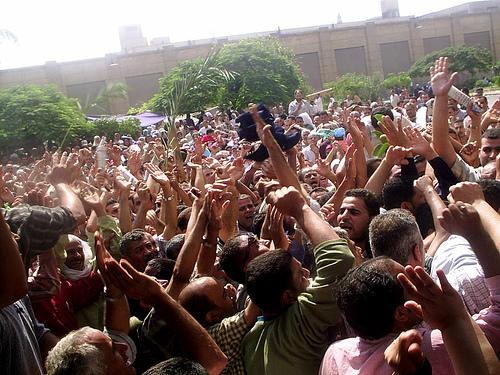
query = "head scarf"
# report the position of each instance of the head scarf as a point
(88, 261)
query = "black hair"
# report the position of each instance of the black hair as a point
(160, 268)
(395, 192)
(231, 258)
(325, 197)
(174, 246)
(177, 366)
(267, 277)
(382, 110)
(368, 297)
(372, 165)
(183, 219)
(134, 235)
(491, 191)
(371, 201)
(492, 133)
(258, 221)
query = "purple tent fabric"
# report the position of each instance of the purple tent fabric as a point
(146, 118)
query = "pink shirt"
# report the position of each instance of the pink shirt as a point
(359, 356)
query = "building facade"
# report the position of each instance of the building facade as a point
(386, 45)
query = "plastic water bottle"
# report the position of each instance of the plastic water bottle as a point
(101, 155)
(463, 99)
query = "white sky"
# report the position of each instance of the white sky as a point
(65, 30)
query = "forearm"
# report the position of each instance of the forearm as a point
(186, 259)
(140, 217)
(70, 200)
(117, 311)
(198, 345)
(440, 138)
(486, 252)
(463, 348)
(230, 217)
(12, 274)
(125, 217)
(490, 220)
(475, 132)
(361, 171)
(317, 229)
(244, 189)
(437, 206)
(377, 180)
(169, 208)
(206, 258)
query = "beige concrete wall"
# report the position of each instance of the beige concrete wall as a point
(319, 52)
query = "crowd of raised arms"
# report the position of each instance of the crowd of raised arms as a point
(264, 243)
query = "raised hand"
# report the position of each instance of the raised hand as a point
(467, 192)
(404, 354)
(394, 132)
(419, 145)
(439, 306)
(157, 175)
(288, 200)
(423, 183)
(121, 183)
(322, 167)
(396, 155)
(462, 219)
(441, 80)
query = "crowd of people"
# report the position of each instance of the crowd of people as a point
(264, 242)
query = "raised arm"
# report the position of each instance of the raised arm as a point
(442, 308)
(188, 255)
(286, 176)
(395, 155)
(191, 336)
(441, 83)
(290, 202)
(437, 206)
(12, 274)
(470, 192)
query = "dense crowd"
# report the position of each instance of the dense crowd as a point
(271, 241)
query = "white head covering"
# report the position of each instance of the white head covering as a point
(88, 261)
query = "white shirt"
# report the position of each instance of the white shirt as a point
(462, 269)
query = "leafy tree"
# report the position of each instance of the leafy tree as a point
(350, 84)
(102, 101)
(31, 115)
(462, 59)
(193, 83)
(396, 80)
(267, 72)
(110, 126)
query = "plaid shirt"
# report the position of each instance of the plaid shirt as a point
(160, 339)
(228, 335)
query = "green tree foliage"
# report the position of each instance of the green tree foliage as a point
(31, 115)
(102, 102)
(350, 84)
(194, 84)
(462, 59)
(396, 80)
(267, 72)
(110, 126)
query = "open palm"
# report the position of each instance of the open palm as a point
(441, 81)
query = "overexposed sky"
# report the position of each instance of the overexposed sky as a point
(65, 30)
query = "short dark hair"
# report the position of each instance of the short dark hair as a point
(368, 297)
(134, 235)
(382, 110)
(267, 277)
(325, 197)
(183, 219)
(372, 165)
(492, 133)
(395, 192)
(231, 258)
(394, 233)
(491, 191)
(177, 366)
(371, 201)
(174, 246)
(161, 268)
(257, 222)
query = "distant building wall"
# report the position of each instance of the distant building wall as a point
(324, 53)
